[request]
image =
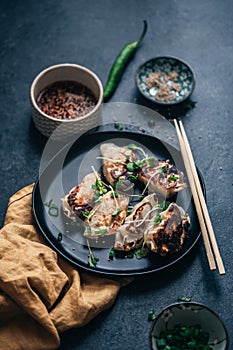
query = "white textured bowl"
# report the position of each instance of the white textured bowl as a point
(190, 314)
(66, 128)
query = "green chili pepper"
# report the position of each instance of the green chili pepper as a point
(120, 63)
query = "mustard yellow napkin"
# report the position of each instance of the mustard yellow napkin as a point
(41, 295)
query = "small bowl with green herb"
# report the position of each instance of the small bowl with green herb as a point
(188, 325)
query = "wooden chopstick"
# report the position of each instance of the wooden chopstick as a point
(199, 200)
(202, 202)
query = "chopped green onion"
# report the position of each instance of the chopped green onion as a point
(183, 337)
(172, 178)
(59, 237)
(164, 205)
(132, 177)
(111, 254)
(118, 126)
(157, 219)
(53, 208)
(116, 212)
(183, 298)
(189, 104)
(129, 255)
(130, 166)
(114, 194)
(151, 315)
(141, 252)
(101, 232)
(164, 168)
(151, 123)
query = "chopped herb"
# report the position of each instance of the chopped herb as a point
(135, 165)
(85, 214)
(53, 211)
(151, 315)
(130, 166)
(59, 237)
(189, 104)
(114, 194)
(164, 205)
(92, 261)
(53, 208)
(183, 337)
(103, 191)
(111, 254)
(138, 164)
(132, 177)
(173, 178)
(157, 219)
(141, 252)
(88, 229)
(183, 298)
(129, 255)
(101, 232)
(116, 212)
(164, 168)
(151, 123)
(118, 126)
(128, 212)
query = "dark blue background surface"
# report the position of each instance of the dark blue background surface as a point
(37, 34)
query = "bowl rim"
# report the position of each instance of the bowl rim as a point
(170, 103)
(187, 303)
(61, 65)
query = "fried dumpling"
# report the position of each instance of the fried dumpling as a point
(130, 234)
(115, 159)
(80, 199)
(162, 177)
(106, 216)
(166, 234)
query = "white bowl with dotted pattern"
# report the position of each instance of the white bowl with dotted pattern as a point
(61, 128)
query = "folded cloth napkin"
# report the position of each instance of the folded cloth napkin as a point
(42, 295)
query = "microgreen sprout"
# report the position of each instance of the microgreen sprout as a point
(92, 260)
(134, 147)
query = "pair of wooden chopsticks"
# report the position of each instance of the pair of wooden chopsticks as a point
(209, 239)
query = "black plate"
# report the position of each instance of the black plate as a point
(67, 169)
